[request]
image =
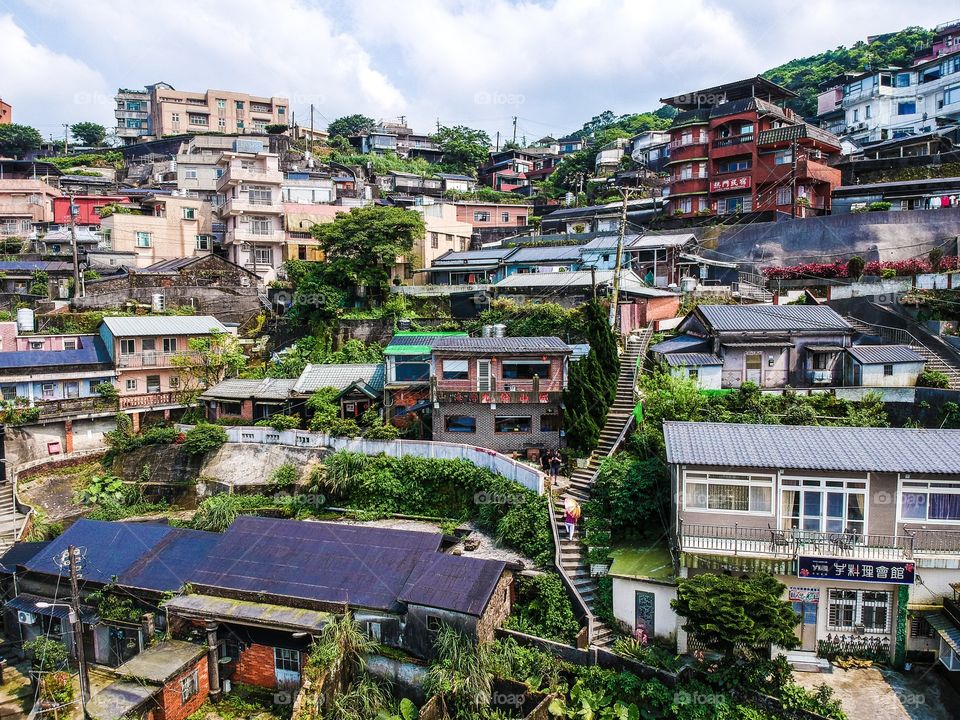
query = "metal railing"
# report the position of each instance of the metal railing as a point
(152, 399)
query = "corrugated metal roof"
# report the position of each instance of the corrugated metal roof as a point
(575, 280)
(680, 343)
(92, 351)
(414, 343)
(28, 603)
(760, 318)
(502, 345)
(34, 265)
(163, 325)
(19, 553)
(945, 629)
(470, 257)
(692, 359)
(609, 242)
(242, 389)
(544, 253)
(646, 242)
(453, 583)
(276, 616)
(884, 354)
(906, 450)
(314, 377)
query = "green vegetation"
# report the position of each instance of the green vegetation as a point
(313, 350)
(350, 125)
(102, 489)
(543, 609)
(208, 360)
(244, 702)
(109, 159)
(933, 379)
(804, 75)
(284, 477)
(90, 134)
(463, 148)
(280, 422)
(460, 675)
(204, 438)
(18, 140)
(46, 655)
(532, 320)
(122, 439)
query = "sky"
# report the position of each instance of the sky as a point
(552, 64)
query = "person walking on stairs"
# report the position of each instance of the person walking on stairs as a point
(555, 462)
(571, 514)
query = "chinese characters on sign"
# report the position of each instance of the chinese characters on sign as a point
(898, 573)
(805, 594)
(734, 183)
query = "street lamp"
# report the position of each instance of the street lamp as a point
(71, 615)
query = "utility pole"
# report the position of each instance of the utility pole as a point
(73, 243)
(593, 280)
(66, 137)
(75, 574)
(310, 141)
(514, 129)
(498, 141)
(615, 298)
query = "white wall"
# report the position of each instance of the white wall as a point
(904, 375)
(625, 603)
(708, 377)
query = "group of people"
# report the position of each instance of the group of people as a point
(551, 462)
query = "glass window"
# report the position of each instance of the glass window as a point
(824, 505)
(433, 624)
(524, 370)
(411, 371)
(263, 256)
(153, 383)
(128, 346)
(869, 609)
(728, 492)
(455, 369)
(550, 423)
(170, 345)
(902, 79)
(460, 423)
(9, 392)
(144, 239)
(190, 213)
(131, 384)
(512, 424)
(481, 216)
(888, 370)
(907, 108)
(286, 660)
(930, 501)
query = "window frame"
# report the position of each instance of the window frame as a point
(825, 486)
(144, 239)
(498, 420)
(447, 427)
(911, 486)
(860, 601)
(455, 369)
(709, 478)
(504, 364)
(128, 346)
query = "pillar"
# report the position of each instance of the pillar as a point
(68, 436)
(135, 421)
(213, 662)
(900, 650)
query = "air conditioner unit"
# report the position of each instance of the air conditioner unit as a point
(26, 618)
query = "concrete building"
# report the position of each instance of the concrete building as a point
(883, 366)
(161, 110)
(298, 218)
(493, 221)
(6, 113)
(26, 207)
(444, 234)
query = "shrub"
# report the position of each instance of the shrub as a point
(933, 379)
(283, 477)
(102, 488)
(107, 390)
(280, 422)
(231, 420)
(855, 267)
(204, 438)
(543, 609)
(381, 432)
(879, 206)
(343, 428)
(46, 655)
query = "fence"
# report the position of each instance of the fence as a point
(876, 649)
(526, 475)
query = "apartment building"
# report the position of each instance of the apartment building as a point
(861, 524)
(198, 165)
(86, 209)
(26, 207)
(444, 233)
(298, 219)
(889, 103)
(397, 138)
(501, 393)
(736, 149)
(507, 170)
(167, 227)
(6, 113)
(252, 209)
(494, 221)
(161, 110)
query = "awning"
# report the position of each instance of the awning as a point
(945, 629)
(257, 614)
(762, 344)
(825, 348)
(60, 611)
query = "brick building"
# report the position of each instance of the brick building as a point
(499, 393)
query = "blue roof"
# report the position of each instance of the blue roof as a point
(32, 265)
(680, 343)
(92, 351)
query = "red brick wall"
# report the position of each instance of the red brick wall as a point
(171, 706)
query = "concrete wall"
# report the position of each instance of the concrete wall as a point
(708, 376)
(32, 442)
(625, 605)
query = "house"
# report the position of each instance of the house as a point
(883, 366)
(25, 207)
(143, 350)
(398, 138)
(848, 518)
(651, 149)
(469, 267)
(501, 393)
(443, 234)
(249, 400)
(542, 259)
(493, 221)
(453, 182)
(644, 583)
(770, 345)
(298, 219)
(923, 194)
(6, 113)
(600, 218)
(408, 367)
(569, 145)
(169, 680)
(48, 278)
(506, 170)
(86, 208)
(609, 157)
(732, 151)
(706, 369)
(360, 386)
(406, 184)
(308, 187)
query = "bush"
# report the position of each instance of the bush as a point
(280, 422)
(107, 390)
(204, 438)
(879, 206)
(342, 428)
(543, 609)
(46, 655)
(381, 432)
(283, 477)
(231, 421)
(933, 379)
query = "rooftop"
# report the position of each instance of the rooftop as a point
(262, 614)
(681, 359)
(416, 343)
(751, 87)
(163, 325)
(502, 345)
(241, 389)
(763, 318)
(849, 449)
(469, 257)
(367, 376)
(653, 563)
(885, 354)
(544, 253)
(91, 351)
(578, 281)
(161, 662)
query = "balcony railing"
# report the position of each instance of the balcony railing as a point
(235, 173)
(254, 238)
(76, 406)
(152, 400)
(735, 140)
(149, 358)
(554, 384)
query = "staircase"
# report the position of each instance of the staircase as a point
(572, 555)
(939, 361)
(11, 521)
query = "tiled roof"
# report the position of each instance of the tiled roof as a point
(241, 389)
(883, 354)
(314, 377)
(692, 359)
(852, 449)
(502, 345)
(760, 318)
(163, 325)
(789, 133)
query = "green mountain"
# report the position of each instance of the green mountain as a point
(804, 75)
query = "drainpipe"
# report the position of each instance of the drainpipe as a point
(213, 666)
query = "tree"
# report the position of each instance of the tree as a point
(210, 359)
(276, 128)
(89, 133)
(463, 147)
(350, 125)
(727, 612)
(855, 267)
(17, 140)
(362, 246)
(936, 258)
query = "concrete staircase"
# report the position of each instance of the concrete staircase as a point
(11, 521)
(941, 360)
(619, 420)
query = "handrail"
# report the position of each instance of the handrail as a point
(895, 332)
(558, 563)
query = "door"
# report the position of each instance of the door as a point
(71, 389)
(807, 628)
(149, 351)
(645, 615)
(754, 368)
(483, 376)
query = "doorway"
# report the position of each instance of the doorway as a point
(754, 368)
(807, 627)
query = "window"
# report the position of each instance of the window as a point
(907, 108)
(286, 660)
(931, 501)
(175, 117)
(374, 630)
(70, 344)
(411, 371)
(135, 106)
(259, 195)
(869, 609)
(866, 113)
(131, 384)
(9, 392)
(693, 373)
(728, 492)
(197, 119)
(281, 109)
(823, 504)
(239, 105)
(170, 345)
(821, 360)
(856, 115)
(951, 95)
(481, 216)
(190, 174)
(47, 390)
(153, 383)
(521, 219)
(239, 124)
(920, 628)
(189, 213)
(144, 239)
(189, 686)
(783, 157)
(36, 344)
(888, 370)
(203, 242)
(221, 103)
(550, 423)
(901, 80)
(784, 196)
(263, 256)
(456, 369)
(686, 171)
(434, 623)
(434, 240)
(734, 165)
(525, 370)
(746, 129)
(175, 383)
(512, 424)
(685, 205)
(460, 423)
(504, 217)
(128, 346)
(221, 125)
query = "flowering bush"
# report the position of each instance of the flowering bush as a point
(838, 269)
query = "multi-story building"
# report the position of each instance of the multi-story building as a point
(161, 110)
(507, 170)
(609, 156)
(252, 209)
(143, 350)
(443, 234)
(493, 221)
(298, 219)
(26, 208)
(408, 367)
(6, 113)
(86, 209)
(166, 227)
(861, 524)
(501, 393)
(735, 149)
(397, 138)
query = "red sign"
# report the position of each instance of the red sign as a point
(734, 183)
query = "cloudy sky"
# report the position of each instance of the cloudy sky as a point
(553, 63)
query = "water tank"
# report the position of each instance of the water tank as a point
(158, 303)
(499, 330)
(487, 331)
(688, 284)
(25, 320)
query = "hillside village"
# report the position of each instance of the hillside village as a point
(656, 419)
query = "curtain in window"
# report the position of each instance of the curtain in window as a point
(944, 507)
(791, 509)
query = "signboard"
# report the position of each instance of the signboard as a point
(805, 594)
(733, 183)
(881, 571)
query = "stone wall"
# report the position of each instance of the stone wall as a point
(173, 706)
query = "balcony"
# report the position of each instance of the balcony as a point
(497, 385)
(235, 174)
(254, 238)
(76, 406)
(731, 141)
(245, 205)
(152, 359)
(150, 400)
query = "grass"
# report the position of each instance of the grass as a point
(80, 471)
(245, 702)
(654, 563)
